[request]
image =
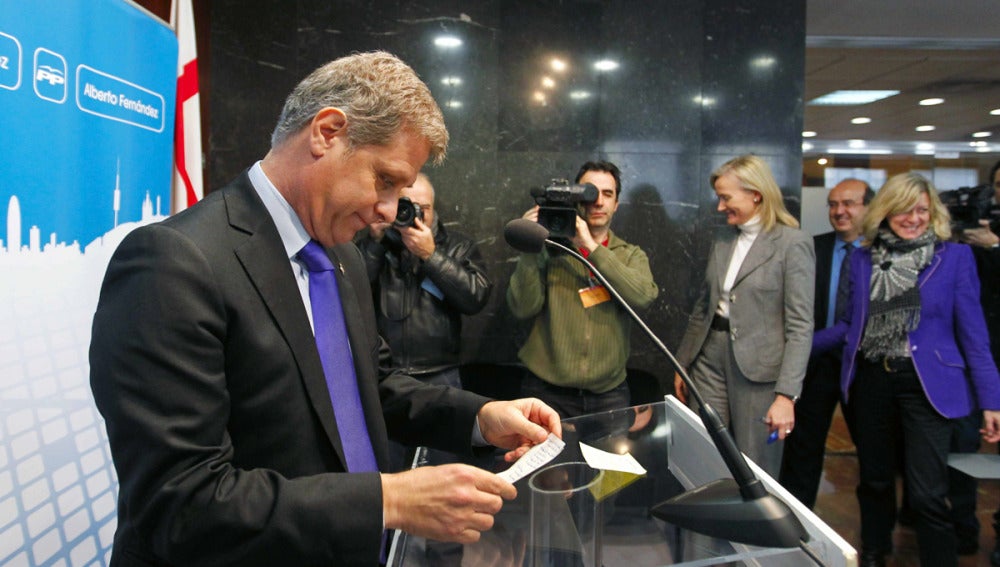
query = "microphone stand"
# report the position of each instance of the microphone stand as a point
(738, 509)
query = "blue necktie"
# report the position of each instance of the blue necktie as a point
(335, 354)
(844, 284)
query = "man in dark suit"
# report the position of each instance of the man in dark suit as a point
(205, 368)
(802, 464)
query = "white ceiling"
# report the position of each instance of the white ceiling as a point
(947, 49)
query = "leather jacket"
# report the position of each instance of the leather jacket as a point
(419, 304)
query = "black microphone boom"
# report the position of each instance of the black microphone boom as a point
(738, 509)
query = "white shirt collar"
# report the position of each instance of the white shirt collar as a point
(293, 234)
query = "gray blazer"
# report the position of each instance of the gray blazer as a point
(771, 307)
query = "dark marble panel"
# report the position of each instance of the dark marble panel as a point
(696, 84)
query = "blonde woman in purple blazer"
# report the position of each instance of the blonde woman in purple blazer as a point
(916, 354)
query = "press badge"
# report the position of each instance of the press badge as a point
(594, 295)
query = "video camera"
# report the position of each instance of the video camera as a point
(560, 203)
(406, 213)
(968, 205)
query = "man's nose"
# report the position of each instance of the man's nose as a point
(385, 209)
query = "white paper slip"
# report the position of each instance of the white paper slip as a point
(606, 461)
(534, 459)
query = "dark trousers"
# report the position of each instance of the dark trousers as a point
(802, 463)
(962, 487)
(890, 408)
(573, 402)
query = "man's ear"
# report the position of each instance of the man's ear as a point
(328, 127)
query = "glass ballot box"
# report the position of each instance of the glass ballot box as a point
(570, 514)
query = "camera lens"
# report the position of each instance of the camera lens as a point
(406, 212)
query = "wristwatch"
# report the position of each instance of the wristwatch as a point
(793, 398)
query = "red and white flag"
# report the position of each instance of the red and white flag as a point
(187, 185)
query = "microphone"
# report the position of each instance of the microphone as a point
(738, 509)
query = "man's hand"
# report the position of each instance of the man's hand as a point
(447, 503)
(583, 238)
(376, 230)
(781, 416)
(531, 214)
(418, 239)
(983, 237)
(518, 425)
(680, 388)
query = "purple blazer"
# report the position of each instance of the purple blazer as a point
(950, 347)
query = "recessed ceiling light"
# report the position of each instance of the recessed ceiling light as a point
(982, 134)
(447, 41)
(606, 65)
(579, 95)
(806, 146)
(451, 81)
(822, 161)
(454, 104)
(931, 101)
(861, 120)
(847, 98)
(558, 65)
(855, 143)
(995, 112)
(808, 134)
(924, 128)
(548, 83)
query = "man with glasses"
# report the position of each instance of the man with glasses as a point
(802, 464)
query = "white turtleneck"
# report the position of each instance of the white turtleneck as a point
(748, 233)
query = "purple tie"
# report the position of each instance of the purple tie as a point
(335, 354)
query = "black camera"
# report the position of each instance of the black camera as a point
(968, 205)
(406, 213)
(560, 203)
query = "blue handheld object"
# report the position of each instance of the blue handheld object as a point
(772, 437)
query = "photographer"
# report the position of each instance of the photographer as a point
(576, 352)
(424, 279)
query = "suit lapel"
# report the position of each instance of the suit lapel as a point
(264, 259)
(760, 251)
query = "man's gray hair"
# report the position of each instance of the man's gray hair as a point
(379, 94)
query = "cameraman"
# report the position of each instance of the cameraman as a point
(576, 352)
(424, 279)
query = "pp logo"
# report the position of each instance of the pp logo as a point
(50, 75)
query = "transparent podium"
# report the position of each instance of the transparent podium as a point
(568, 514)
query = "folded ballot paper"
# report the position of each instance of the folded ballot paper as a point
(617, 471)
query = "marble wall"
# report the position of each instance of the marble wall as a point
(696, 83)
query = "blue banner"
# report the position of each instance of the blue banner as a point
(87, 90)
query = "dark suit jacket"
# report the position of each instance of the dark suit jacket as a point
(823, 244)
(204, 366)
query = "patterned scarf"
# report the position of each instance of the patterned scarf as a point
(895, 298)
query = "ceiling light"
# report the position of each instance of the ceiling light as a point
(548, 83)
(704, 100)
(763, 62)
(539, 97)
(855, 143)
(447, 41)
(931, 101)
(847, 98)
(925, 146)
(995, 112)
(861, 120)
(982, 134)
(451, 81)
(924, 128)
(861, 151)
(606, 65)
(558, 65)
(808, 134)
(978, 144)
(982, 149)
(579, 95)
(454, 104)
(806, 146)
(822, 161)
